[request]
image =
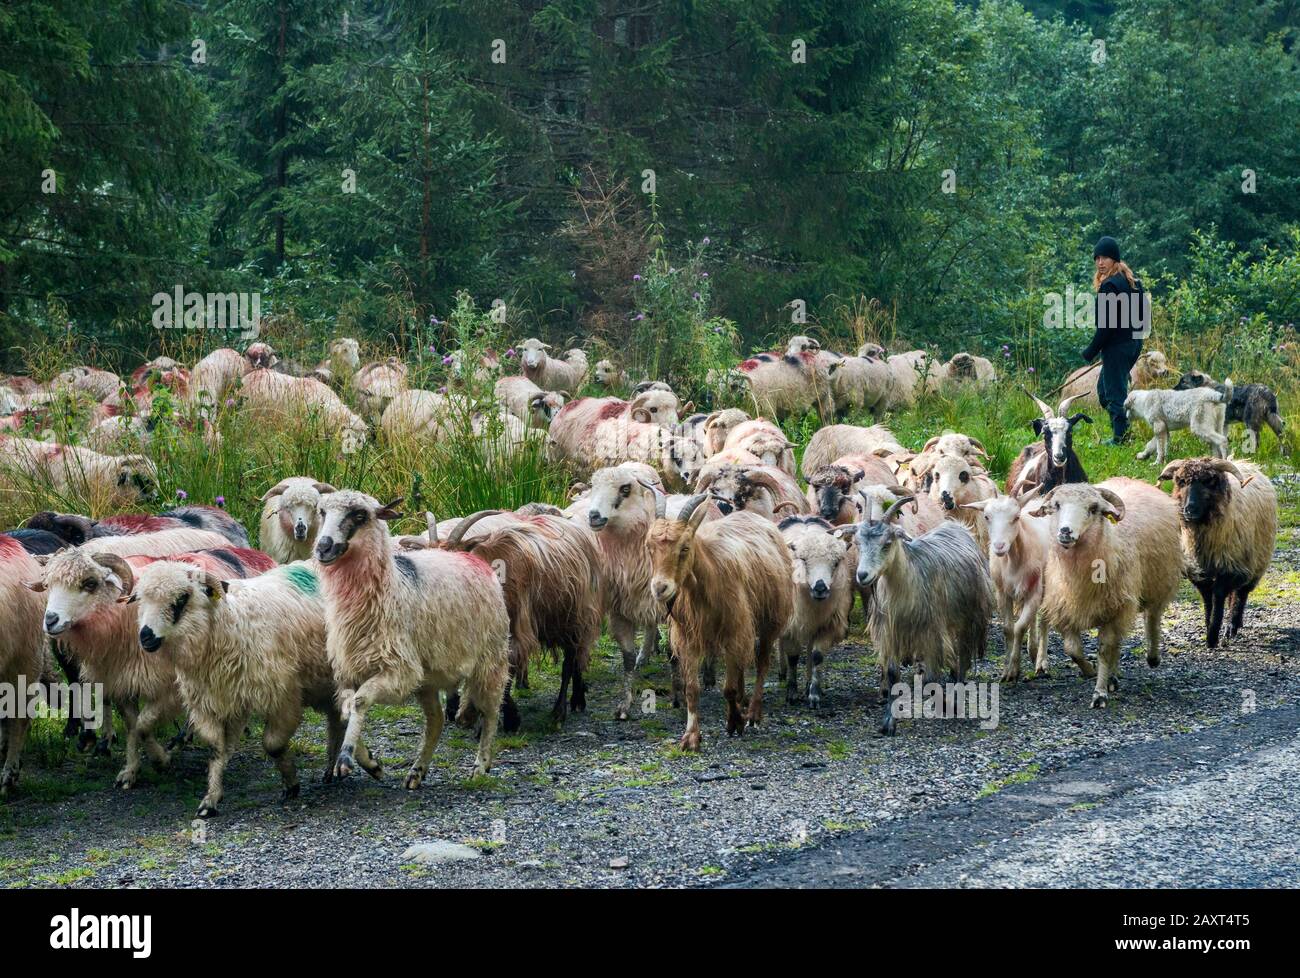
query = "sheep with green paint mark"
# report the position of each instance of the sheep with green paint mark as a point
(244, 648)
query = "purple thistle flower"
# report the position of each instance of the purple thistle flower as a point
(510, 352)
(230, 402)
(1031, 370)
(705, 241)
(447, 361)
(695, 296)
(442, 390)
(182, 494)
(704, 274)
(636, 278)
(221, 502)
(638, 317)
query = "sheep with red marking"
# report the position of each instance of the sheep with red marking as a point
(215, 377)
(1229, 528)
(99, 384)
(85, 612)
(75, 529)
(822, 580)
(548, 372)
(291, 517)
(408, 624)
(1102, 575)
(789, 386)
(725, 587)
(23, 658)
(860, 384)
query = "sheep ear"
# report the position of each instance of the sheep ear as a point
(388, 511)
(642, 415)
(688, 407)
(1117, 508)
(34, 585)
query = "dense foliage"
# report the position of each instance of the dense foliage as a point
(361, 164)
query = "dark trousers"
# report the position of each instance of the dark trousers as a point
(1112, 386)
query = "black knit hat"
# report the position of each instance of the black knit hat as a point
(1107, 247)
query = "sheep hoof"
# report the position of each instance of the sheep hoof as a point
(791, 697)
(414, 778)
(620, 713)
(375, 770)
(815, 700)
(1011, 675)
(7, 781)
(208, 810)
(290, 793)
(558, 713)
(886, 729)
(1099, 701)
(343, 767)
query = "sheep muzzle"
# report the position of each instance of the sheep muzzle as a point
(149, 641)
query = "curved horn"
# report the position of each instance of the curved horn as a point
(785, 505)
(276, 490)
(930, 444)
(119, 567)
(892, 514)
(1116, 503)
(765, 480)
(1064, 409)
(691, 506)
(899, 491)
(1171, 470)
(1042, 405)
(1225, 465)
(977, 445)
(324, 488)
(454, 538)
(431, 523)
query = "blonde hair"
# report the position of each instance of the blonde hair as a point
(1098, 277)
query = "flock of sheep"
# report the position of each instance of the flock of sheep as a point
(697, 521)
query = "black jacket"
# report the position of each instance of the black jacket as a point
(1122, 315)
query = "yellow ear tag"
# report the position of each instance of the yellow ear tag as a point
(218, 592)
(1112, 517)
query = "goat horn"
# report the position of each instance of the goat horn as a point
(431, 522)
(1042, 405)
(119, 567)
(454, 538)
(893, 512)
(691, 506)
(786, 505)
(1064, 409)
(661, 502)
(1171, 470)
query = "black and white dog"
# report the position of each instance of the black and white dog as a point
(1252, 405)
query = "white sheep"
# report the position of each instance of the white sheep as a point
(528, 402)
(376, 384)
(609, 376)
(413, 623)
(243, 648)
(108, 481)
(861, 384)
(823, 592)
(1100, 575)
(833, 441)
(291, 517)
(788, 386)
(283, 401)
(547, 372)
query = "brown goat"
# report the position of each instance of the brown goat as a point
(1229, 529)
(549, 570)
(725, 587)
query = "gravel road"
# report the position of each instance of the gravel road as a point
(1182, 781)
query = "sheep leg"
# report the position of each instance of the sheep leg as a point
(788, 671)
(280, 728)
(1238, 616)
(376, 689)
(649, 645)
(733, 691)
(14, 738)
(1153, 616)
(1108, 642)
(578, 701)
(1206, 589)
(1039, 640)
(1073, 643)
(431, 702)
(814, 691)
(888, 679)
(1218, 598)
(333, 740)
(520, 665)
(126, 777)
(223, 746)
(624, 633)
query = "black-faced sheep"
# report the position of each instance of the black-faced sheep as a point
(1229, 526)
